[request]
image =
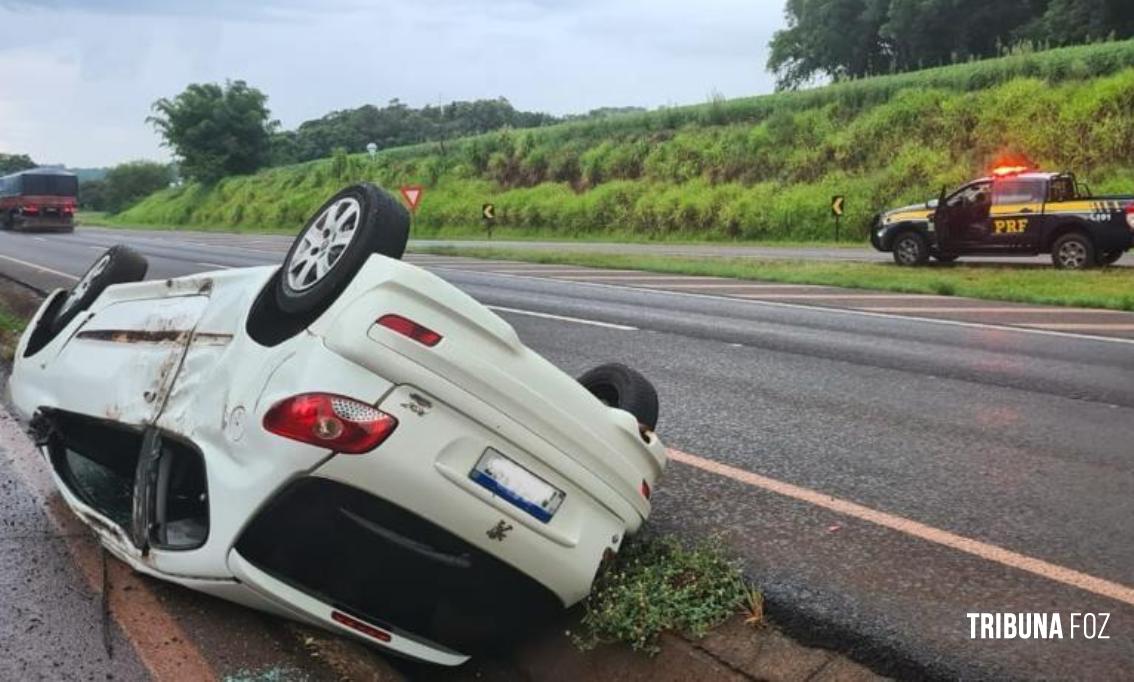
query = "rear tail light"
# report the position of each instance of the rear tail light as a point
(645, 489)
(69, 208)
(413, 330)
(30, 209)
(330, 421)
(1130, 215)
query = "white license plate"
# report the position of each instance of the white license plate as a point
(520, 487)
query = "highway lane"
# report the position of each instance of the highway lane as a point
(1016, 439)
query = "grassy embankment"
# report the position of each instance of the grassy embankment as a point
(11, 326)
(759, 168)
(1111, 288)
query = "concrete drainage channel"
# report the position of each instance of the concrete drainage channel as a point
(172, 633)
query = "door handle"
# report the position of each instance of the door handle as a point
(1026, 210)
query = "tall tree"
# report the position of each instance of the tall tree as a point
(216, 131)
(852, 38)
(838, 38)
(128, 182)
(1068, 22)
(12, 163)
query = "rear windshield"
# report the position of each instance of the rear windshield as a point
(49, 185)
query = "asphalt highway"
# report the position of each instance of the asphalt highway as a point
(879, 477)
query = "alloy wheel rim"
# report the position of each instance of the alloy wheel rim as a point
(1072, 255)
(907, 250)
(323, 243)
(84, 284)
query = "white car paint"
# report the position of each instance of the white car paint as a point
(175, 355)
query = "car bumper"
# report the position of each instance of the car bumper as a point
(404, 540)
(44, 223)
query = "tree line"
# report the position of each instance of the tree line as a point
(842, 39)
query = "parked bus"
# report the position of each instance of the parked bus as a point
(38, 199)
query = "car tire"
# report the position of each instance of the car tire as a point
(117, 265)
(945, 260)
(1073, 251)
(1109, 257)
(359, 221)
(619, 386)
(910, 249)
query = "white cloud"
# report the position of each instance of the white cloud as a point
(80, 92)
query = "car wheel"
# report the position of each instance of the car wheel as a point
(1073, 252)
(945, 259)
(910, 249)
(619, 386)
(118, 265)
(354, 224)
(1109, 257)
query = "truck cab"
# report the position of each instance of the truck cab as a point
(1013, 212)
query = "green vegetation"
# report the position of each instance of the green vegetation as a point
(11, 326)
(761, 168)
(13, 163)
(123, 185)
(216, 131)
(1108, 288)
(657, 585)
(396, 125)
(857, 38)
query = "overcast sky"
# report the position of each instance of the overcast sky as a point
(77, 77)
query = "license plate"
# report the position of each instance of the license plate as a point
(520, 487)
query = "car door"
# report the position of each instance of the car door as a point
(962, 221)
(1017, 207)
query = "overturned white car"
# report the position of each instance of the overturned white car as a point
(347, 440)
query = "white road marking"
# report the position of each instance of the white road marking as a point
(97, 248)
(984, 550)
(39, 239)
(842, 297)
(861, 313)
(729, 285)
(1084, 327)
(38, 267)
(218, 266)
(1009, 311)
(563, 318)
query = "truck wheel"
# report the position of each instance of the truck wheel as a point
(1073, 251)
(1109, 257)
(359, 221)
(910, 249)
(118, 265)
(619, 386)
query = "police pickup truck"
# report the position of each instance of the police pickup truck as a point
(1013, 212)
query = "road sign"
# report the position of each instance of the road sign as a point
(412, 194)
(837, 205)
(488, 212)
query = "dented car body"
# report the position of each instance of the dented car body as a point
(433, 494)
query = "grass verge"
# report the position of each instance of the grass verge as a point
(1111, 288)
(657, 585)
(11, 326)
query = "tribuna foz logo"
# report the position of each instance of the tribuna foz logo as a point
(1038, 626)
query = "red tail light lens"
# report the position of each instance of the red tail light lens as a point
(645, 489)
(413, 330)
(330, 421)
(1130, 215)
(30, 209)
(365, 628)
